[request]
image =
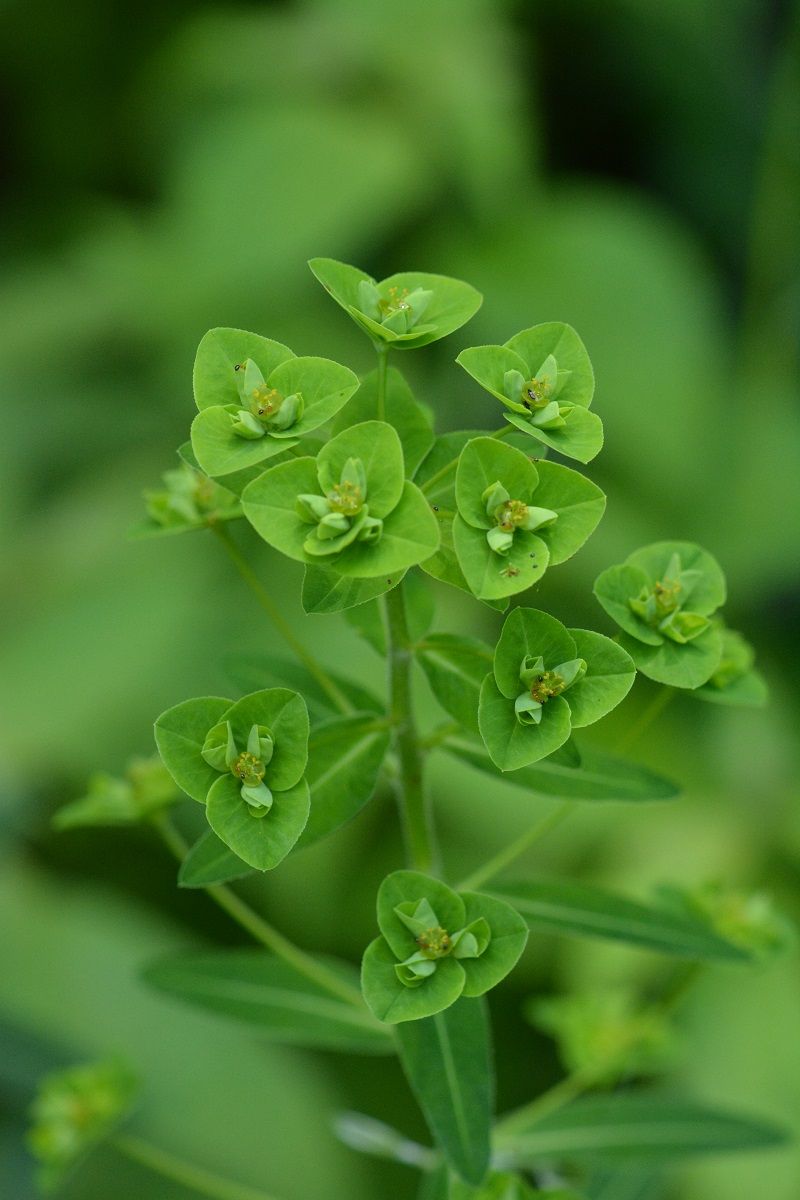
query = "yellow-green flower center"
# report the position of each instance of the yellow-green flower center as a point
(548, 684)
(510, 516)
(435, 942)
(346, 498)
(249, 769)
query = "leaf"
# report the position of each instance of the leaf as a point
(264, 991)
(345, 756)
(447, 1060)
(180, 733)
(270, 505)
(326, 386)
(219, 352)
(586, 911)
(707, 593)
(492, 576)
(637, 1127)
(378, 447)
(580, 504)
(220, 452)
(391, 1001)
(210, 862)
(512, 745)
(379, 1140)
(554, 337)
(263, 842)
(600, 777)
(251, 671)
(748, 691)
(325, 591)
(613, 588)
(687, 666)
(580, 437)
(455, 668)
(284, 713)
(403, 413)
(609, 677)
(483, 462)
(509, 936)
(367, 619)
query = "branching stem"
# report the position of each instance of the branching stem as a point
(184, 1173)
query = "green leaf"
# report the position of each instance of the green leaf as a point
(345, 756)
(180, 733)
(447, 1059)
(455, 668)
(683, 666)
(707, 593)
(220, 352)
(145, 788)
(637, 1127)
(609, 677)
(367, 619)
(451, 304)
(378, 447)
(613, 588)
(410, 887)
(581, 436)
(510, 744)
(600, 777)
(264, 991)
(325, 386)
(749, 690)
(391, 1001)
(265, 841)
(554, 337)
(527, 631)
(586, 911)
(492, 576)
(325, 591)
(483, 462)
(250, 671)
(270, 505)
(236, 482)
(210, 862)
(401, 410)
(509, 935)
(284, 713)
(220, 451)
(379, 1140)
(580, 504)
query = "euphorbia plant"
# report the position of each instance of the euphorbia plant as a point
(348, 477)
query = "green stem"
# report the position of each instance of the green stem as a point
(654, 709)
(562, 1093)
(261, 930)
(383, 362)
(263, 597)
(184, 1173)
(417, 817)
(444, 471)
(524, 842)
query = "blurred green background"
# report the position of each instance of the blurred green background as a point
(630, 168)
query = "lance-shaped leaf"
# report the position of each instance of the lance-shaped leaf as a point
(180, 733)
(251, 671)
(455, 668)
(410, 420)
(597, 778)
(263, 842)
(267, 993)
(325, 591)
(582, 910)
(635, 1127)
(345, 756)
(210, 862)
(220, 353)
(437, 304)
(447, 1060)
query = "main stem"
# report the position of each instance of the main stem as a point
(261, 930)
(383, 362)
(184, 1173)
(329, 686)
(414, 808)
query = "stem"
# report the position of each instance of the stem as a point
(562, 1093)
(429, 484)
(417, 818)
(527, 839)
(383, 361)
(261, 930)
(331, 689)
(654, 709)
(184, 1173)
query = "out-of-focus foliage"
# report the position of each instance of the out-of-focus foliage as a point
(630, 169)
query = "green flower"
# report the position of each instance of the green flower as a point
(188, 500)
(516, 517)
(544, 379)
(749, 920)
(736, 680)
(246, 762)
(257, 400)
(436, 945)
(547, 680)
(145, 788)
(351, 510)
(663, 597)
(406, 310)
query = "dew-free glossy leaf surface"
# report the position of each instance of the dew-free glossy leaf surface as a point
(325, 591)
(580, 437)
(263, 991)
(262, 842)
(219, 352)
(180, 733)
(378, 447)
(220, 452)
(509, 935)
(284, 713)
(410, 535)
(687, 666)
(528, 631)
(325, 386)
(492, 576)
(483, 462)
(210, 862)
(512, 745)
(455, 668)
(344, 760)
(402, 412)
(391, 1001)
(580, 504)
(610, 673)
(614, 587)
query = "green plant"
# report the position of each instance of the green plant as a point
(285, 765)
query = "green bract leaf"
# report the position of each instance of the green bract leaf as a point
(510, 744)
(687, 666)
(406, 310)
(220, 452)
(562, 342)
(284, 713)
(455, 668)
(325, 591)
(447, 1060)
(509, 935)
(583, 910)
(391, 1001)
(410, 420)
(735, 681)
(581, 436)
(493, 576)
(180, 734)
(262, 842)
(484, 462)
(635, 1127)
(608, 679)
(220, 352)
(210, 862)
(267, 993)
(529, 632)
(579, 503)
(598, 777)
(377, 446)
(344, 760)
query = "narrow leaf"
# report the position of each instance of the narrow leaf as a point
(344, 759)
(210, 862)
